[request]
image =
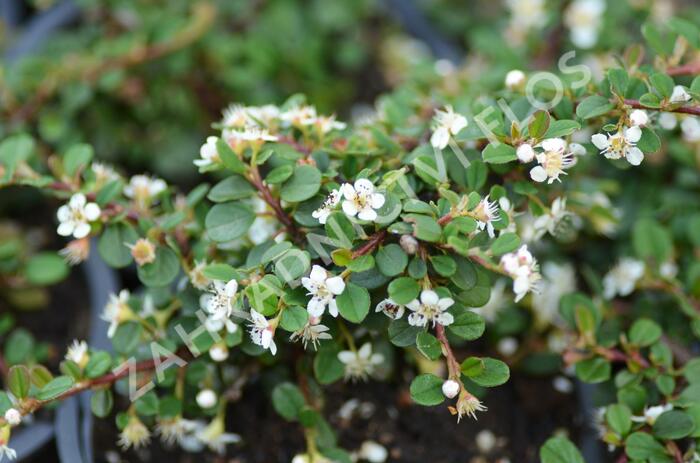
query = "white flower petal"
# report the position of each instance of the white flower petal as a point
(634, 156)
(335, 285)
(538, 174)
(600, 141)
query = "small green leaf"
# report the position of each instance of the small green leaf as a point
(593, 106)
(644, 332)
(486, 372)
(55, 387)
(505, 243)
(594, 370)
(294, 318)
(539, 124)
(673, 424)
(499, 153)
(302, 185)
(228, 221)
(99, 364)
(428, 345)
(288, 401)
(467, 324)
(426, 390)
(391, 260)
(560, 450)
(18, 381)
(403, 290)
(353, 303)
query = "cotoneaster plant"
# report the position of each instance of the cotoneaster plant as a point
(322, 248)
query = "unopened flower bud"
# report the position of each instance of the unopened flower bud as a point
(143, 251)
(515, 79)
(639, 117)
(450, 388)
(525, 152)
(206, 398)
(218, 352)
(373, 452)
(13, 417)
(409, 244)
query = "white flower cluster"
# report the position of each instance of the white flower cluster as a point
(622, 279)
(554, 158)
(360, 199)
(583, 18)
(522, 267)
(252, 126)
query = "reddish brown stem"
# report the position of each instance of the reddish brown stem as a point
(273, 202)
(695, 110)
(370, 245)
(685, 69)
(452, 363)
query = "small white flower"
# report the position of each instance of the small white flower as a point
(135, 434)
(621, 144)
(522, 267)
(326, 124)
(391, 309)
(373, 452)
(583, 17)
(652, 413)
(218, 302)
(117, 311)
(360, 364)
(78, 353)
(327, 207)
(103, 173)
(552, 161)
(75, 217)
(668, 121)
(515, 79)
(178, 430)
(558, 280)
(622, 279)
(206, 398)
(550, 221)
(299, 116)
(679, 95)
(525, 152)
(690, 126)
(214, 437)
(430, 309)
(143, 188)
(323, 288)
(451, 388)
(639, 117)
(446, 124)
(13, 417)
(313, 332)
(208, 153)
(485, 213)
(261, 332)
(361, 200)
